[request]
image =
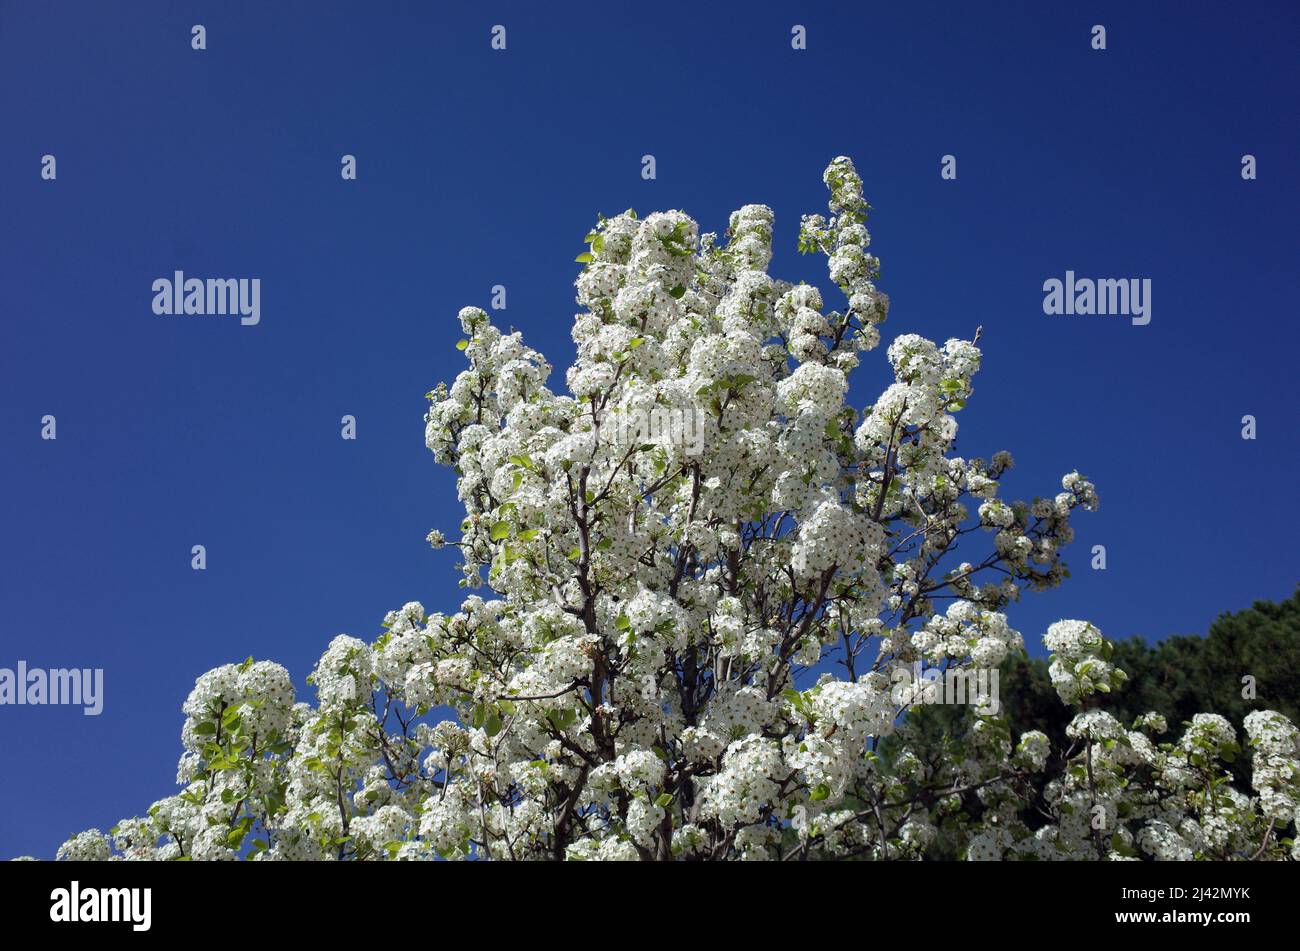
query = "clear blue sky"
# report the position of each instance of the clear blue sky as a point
(479, 167)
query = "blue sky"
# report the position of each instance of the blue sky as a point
(479, 168)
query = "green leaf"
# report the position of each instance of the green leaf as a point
(461, 345)
(664, 800)
(678, 292)
(584, 258)
(500, 530)
(820, 792)
(561, 718)
(236, 836)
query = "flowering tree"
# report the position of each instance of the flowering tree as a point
(715, 582)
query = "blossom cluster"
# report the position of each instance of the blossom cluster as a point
(688, 654)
